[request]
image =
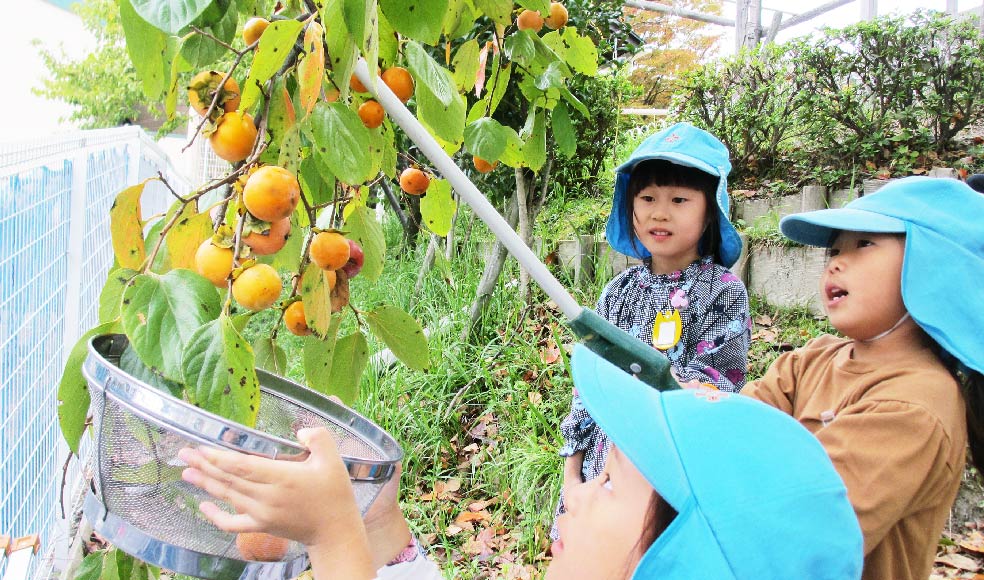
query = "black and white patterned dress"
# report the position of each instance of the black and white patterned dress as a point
(713, 346)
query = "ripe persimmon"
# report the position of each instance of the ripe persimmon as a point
(483, 166)
(271, 193)
(295, 321)
(329, 250)
(270, 241)
(254, 28)
(557, 17)
(529, 20)
(234, 136)
(414, 181)
(356, 85)
(371, 114)
(399, 80)
(257, 287)
(214, 263)
(202, 88)
(261, 547)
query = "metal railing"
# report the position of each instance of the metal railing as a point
(55, 252)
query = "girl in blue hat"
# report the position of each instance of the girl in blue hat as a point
(700, 484)
(896, 400)
(670, 210)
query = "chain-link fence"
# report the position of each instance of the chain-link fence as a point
(55, 252)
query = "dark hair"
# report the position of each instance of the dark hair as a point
(659, 516)
(661, 172)
(972, 388)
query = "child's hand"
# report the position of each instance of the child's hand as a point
(310, 501)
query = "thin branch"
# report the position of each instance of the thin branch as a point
(216, 40)
(169, 188)
(160, 240)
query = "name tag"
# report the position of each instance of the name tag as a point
(667, 329)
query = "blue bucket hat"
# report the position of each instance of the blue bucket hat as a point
(943, 223)
(757, 497)
(682, 144)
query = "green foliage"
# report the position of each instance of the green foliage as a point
(103, 86)
(886, 97)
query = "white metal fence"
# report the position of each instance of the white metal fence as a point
(55, 251)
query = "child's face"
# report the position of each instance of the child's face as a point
(861, 287)
(669, 220)
(599, 534)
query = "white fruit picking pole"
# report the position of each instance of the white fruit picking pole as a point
(468, 192)
(604, 338)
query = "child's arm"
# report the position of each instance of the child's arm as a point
(309, 501)
(721, 356)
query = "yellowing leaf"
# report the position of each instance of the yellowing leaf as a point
(186, 235)
(126, 229)
(438, 207)
(311, 70)
(317, 305)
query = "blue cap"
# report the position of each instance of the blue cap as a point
(943, 266)
(682, 144)
(756, 495)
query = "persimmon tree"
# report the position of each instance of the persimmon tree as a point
(289, 225)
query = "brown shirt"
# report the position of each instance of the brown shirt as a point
(896, 433)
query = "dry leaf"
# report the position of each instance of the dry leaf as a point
(763, 320)
(477, 506)
(550, 353)
(959, 561)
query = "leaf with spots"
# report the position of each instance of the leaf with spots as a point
(389, 42)
(275, 45)
(382, 149)
(317, 357)
(579, 52)
(437, 207)
(500, 11)
(282, 119)
(112, 294)
(289, 156)
(317, 304)
(465, 65)
(219, 372)
(73, 390)
(311, 70)
(269, 355)
(161, 313)
(417, 19)
(186, 235)
(340, 141)
(401, 333)
(343, 52)
(131, 364)
(348, 361)
(368, 232)
(126, 229)
(148, 49)
(317, 183)
(200, 50)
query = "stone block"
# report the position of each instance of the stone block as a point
(787, 276)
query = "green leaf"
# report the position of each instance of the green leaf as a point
(354, 12)
(574, 102)
(219, 372)
(290, 150)
(368, 232)
(459, 19)
(430, 75)
(186, 235)
(577, 51)
(274, 48)
(445, 122)
(437, 207)
(162, 262)
(126, 229)
(513, 153)
(147, 47)
(290, 255)
(389, 42)
(269, 355)
(316, 297)
(317, 183)
(485, 138)
(348, 361)
(519, 47)
(117, 565)
(563, 130)
(383, 149)
(500, 81)
(178, 66)
(535, 150)
(342, 51)
(465, 64)
(499, 11)
(131, 364)
(73, 390)
(111, 294)
(340, 141)
(401, 333)
(161, 313)
(317, 357)
(91, 566)
(552, 78)
(282, 118)
(542, 6)
(417, 19)
(200, 51)
(171, 16)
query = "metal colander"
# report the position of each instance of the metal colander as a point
(138, 500)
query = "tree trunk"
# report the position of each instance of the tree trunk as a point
(427, 265)
(493, 267)
(412, 227)
(449, 240)
(393, 202)
(523, 213)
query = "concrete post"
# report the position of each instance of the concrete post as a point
(813, 197)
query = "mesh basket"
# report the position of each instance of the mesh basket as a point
(139, 501)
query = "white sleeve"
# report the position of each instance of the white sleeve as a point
(420, 568)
